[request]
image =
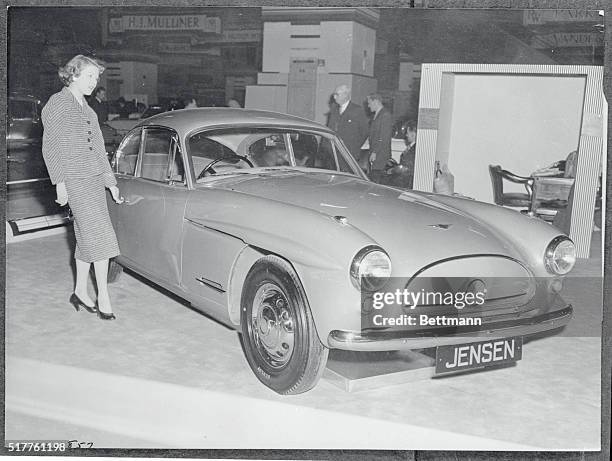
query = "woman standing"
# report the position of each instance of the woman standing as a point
(73, 149)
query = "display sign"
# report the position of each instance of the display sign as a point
(535, 17)
(234, 36)
(174, 47)
(460, 357)
(194, 22)
(568, 40)
(168, 47)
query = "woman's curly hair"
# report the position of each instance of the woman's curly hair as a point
(75, 66)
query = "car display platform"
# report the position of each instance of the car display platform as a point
(359, 371)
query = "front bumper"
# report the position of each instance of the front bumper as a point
(421, 339)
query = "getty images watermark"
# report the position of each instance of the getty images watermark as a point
(429, 303)
(410, 300)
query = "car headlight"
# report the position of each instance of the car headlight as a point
(370, 269)
(560, 256)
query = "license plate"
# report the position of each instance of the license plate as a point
(460, 357)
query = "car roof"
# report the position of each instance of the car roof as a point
(186, 120)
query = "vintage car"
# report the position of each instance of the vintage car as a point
(265, 222)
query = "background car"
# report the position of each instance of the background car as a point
(30, 194)
(266, 222)
(30, 201)
(24, 124)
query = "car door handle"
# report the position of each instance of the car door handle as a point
(132, 200)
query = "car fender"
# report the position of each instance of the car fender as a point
(245, 260)
(334, 302)
(319, 248)
(528, 235)
(297, 234)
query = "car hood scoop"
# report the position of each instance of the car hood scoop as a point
(408, 223)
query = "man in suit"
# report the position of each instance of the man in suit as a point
(381, 129)
(98, 104)
(348, 120)
(405, 176)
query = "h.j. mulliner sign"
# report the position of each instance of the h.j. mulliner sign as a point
(195, 22)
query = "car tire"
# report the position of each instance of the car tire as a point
(114, 271)
(280, 340)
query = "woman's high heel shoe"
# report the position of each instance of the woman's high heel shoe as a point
(105, 316)
(77, 303)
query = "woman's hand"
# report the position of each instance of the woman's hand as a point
(114, 190)
(62, 193)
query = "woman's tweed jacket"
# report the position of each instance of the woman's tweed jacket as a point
(73, 146)
(73, 149)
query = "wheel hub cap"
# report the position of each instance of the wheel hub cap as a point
(272, 325)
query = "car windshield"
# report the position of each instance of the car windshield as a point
(232, 151)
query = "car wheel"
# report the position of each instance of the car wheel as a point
(114, 271)
(278, 332)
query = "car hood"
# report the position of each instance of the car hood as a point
(412, 227)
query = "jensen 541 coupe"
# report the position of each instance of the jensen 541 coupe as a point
(266, 222)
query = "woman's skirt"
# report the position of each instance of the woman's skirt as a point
(95, 236)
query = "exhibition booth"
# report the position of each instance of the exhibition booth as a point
(522, 117)
(167, 373)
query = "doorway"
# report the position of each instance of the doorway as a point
(301, 88)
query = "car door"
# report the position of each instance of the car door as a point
(149, 222)
(208, 254)
(124, 164)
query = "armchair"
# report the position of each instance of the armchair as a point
(510, 199)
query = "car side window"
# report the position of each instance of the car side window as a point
(305, 146)
(127, 154)
(343, 165)
(315, 151)
(177, 169)
(156, 154)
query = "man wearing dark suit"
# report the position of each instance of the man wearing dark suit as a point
(406, 178)
(348, 120)
(381, 128)
(98, 104)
